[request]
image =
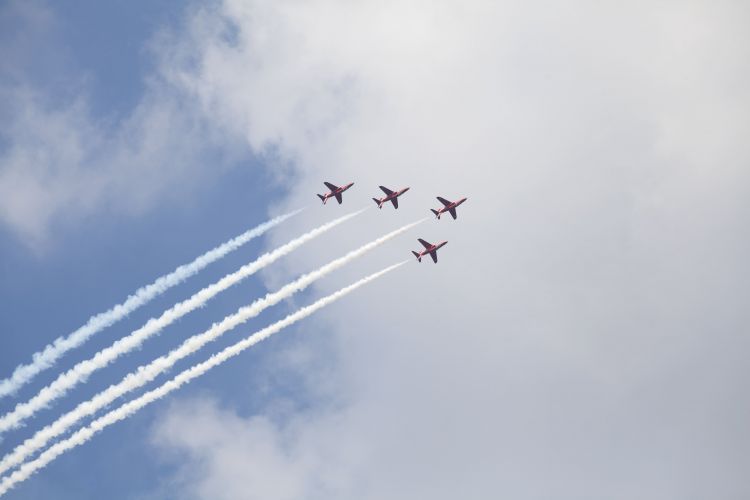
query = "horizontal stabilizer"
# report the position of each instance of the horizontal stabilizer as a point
(322, 198)
(437, 214)
(419, 257)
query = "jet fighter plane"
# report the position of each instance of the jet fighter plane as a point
(391, 196)
(449, 206)
(335, 192)
(429, 248)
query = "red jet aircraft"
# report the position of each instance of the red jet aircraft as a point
(429, 248)
(335, 192)
(391, 196)
(449, 206)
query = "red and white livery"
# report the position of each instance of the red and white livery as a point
(429, 248)
(390, 195)
(448, 206)
(335, 192)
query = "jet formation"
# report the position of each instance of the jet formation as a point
(392, 196)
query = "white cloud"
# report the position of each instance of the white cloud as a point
(581, 336)
(61, 164)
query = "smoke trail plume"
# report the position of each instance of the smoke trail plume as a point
(82, 370)
(149, 372)
(47, 357)
(127, 409)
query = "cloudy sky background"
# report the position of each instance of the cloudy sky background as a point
(583, 336)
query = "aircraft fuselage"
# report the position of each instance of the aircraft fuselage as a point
(448, 207)
(390, 197)
(334, 193)
(429, 250)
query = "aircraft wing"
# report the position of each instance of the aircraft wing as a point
(386, 190)
(424, 243)
(395, 202)
(338, 198)
(433, 254)
(453, 212)
(332, 187)
(444, 201)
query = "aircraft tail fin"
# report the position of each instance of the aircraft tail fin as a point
(419, 257)
(380, 205)
(322, 198)
(437, 214)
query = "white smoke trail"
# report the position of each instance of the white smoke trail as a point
(147, 373)
(127, 409)
(82, 370)
(47, 357)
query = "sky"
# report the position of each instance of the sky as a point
(582, 336)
